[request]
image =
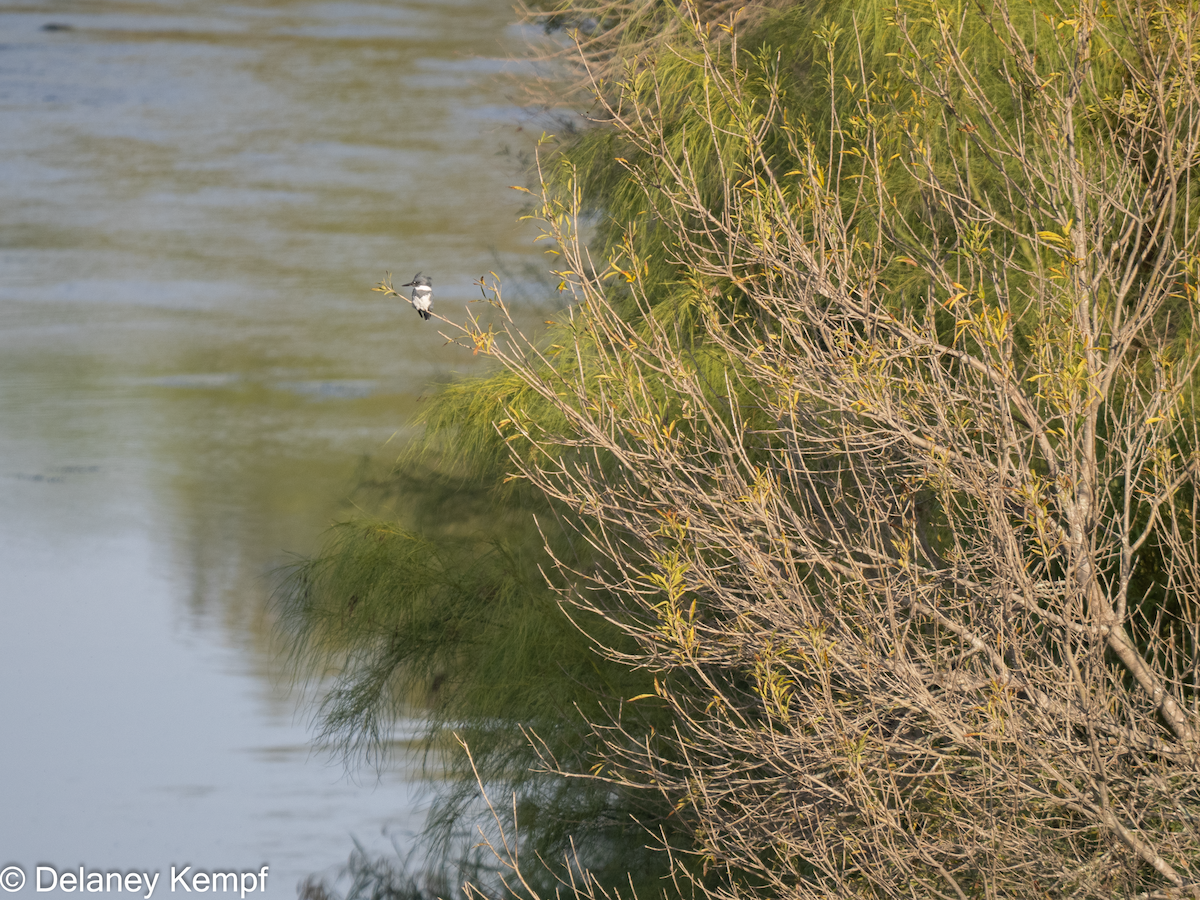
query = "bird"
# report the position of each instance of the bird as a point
(422, 294)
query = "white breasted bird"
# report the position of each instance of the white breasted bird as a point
(422, 294)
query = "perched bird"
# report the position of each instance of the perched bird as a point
(422, 294)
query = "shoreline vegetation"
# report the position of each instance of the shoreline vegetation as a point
(836, 535)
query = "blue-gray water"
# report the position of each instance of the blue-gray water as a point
(195, 199)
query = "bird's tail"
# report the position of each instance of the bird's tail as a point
(424, 315)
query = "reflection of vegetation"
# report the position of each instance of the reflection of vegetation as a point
(841, 466)
(449, 614)
(376, 878)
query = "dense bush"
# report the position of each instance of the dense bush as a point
(848, 544)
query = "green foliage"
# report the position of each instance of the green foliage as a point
(453, 623)
(446, 604)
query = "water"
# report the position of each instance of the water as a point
(195, 199)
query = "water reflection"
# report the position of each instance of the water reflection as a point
(194, 201)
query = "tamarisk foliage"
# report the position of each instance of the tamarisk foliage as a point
(838, 539)
(877, 425)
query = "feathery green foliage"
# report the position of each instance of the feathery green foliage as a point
(454, 624)
(718, 134)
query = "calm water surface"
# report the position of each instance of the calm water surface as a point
(195, 199)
